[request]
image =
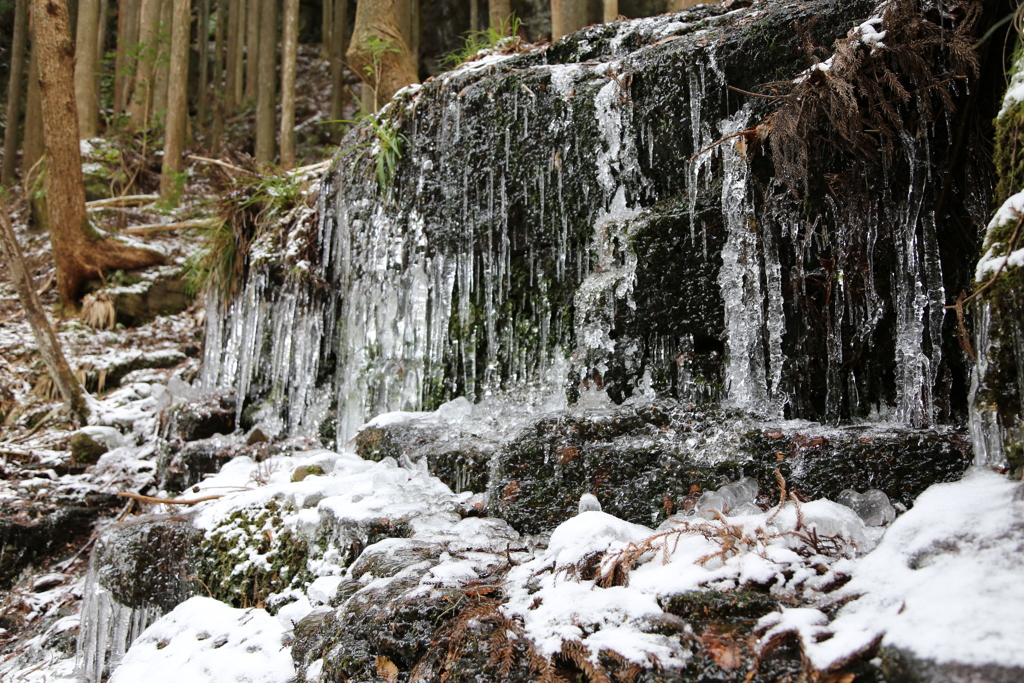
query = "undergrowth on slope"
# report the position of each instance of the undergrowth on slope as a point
(503, 38)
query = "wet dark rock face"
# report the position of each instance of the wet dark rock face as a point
(645, 462)
(460, 460)
(33, 533)
(147, 561)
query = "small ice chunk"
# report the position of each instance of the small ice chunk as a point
(734, 498)
(872, 506)
(589, 502)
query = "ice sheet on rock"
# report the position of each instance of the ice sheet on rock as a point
(205, 641)
(944, 583)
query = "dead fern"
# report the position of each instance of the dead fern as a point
(869, 97)
(98, 311)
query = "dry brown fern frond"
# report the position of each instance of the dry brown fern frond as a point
(869, 96)
(46, 389)
(98, 311)
(580, 656)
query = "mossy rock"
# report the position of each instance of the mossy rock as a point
(903, 666)
(456, 457)
(646, 461)
(202, 418)
(85, 449)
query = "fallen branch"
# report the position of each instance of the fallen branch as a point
(312, 168)
(150, 228)
(167, 501)
(121, 202)
(223, 164)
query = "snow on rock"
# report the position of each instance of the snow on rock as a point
(944, 582)
(203, 640)
(995, 256)
(787, 548)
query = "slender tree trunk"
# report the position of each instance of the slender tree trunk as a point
(252, 47)
(203, 36)
(557, 24)
(124, 62)
(289, 56)
(383, 72)
(33, 148)
(338, 84)
(163, 60)
(217, 126)
(177, 99)
(78, 251)
(141, 103)
(611, 11)
(233, 61)
(474, 15)
(267, 52)
(86, 66)
(49, 348)
(239, 54)
(498, 13)
(14, 91)
(567, 16)
(327, 27)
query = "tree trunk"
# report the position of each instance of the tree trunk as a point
(124, 62)
(338, 80)
(379, 53)
(327, 27)
(289, 55)
(33, 148)
(49, 348)
(203, 36)
(14, 91)
(557, 25)
(217, 126)
(498, 13)
(567, 16)
(474, 15)
(611, 11)
(252, 47)
(163, 60)
(87, 97)
(177, 100)
(234, 66)
(141, 103)
(79, 253)
(267, 53)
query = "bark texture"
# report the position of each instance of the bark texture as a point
(14, 91)
(385, 64)
(87, 96)
(49, 348)
(289, 56)
(141, 102)
(78, 252)
(33, 146)
(177, 100)
(124, 61)
(266, 83)
(499, 11)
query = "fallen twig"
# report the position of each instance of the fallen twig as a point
(222, 164)
(121, 202)
(150, 228)
(167, 501)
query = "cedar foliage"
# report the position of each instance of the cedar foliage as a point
(868, 98)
